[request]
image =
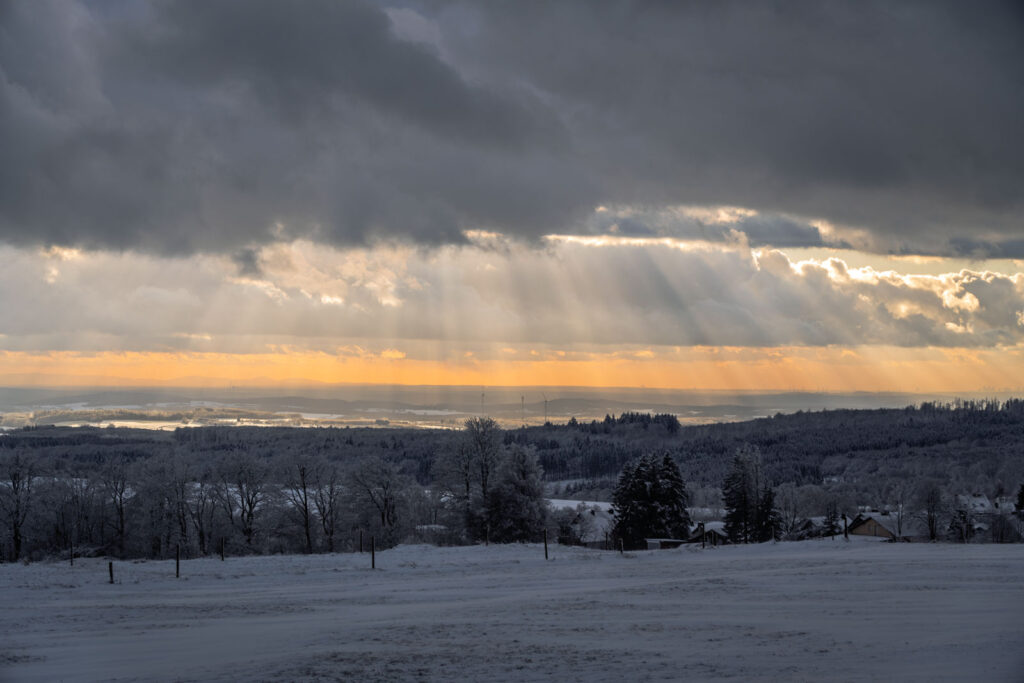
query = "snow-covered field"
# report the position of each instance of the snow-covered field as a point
(818, 611)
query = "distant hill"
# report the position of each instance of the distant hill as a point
(967, 446)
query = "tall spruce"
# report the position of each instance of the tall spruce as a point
(750, 515)
(650, 501)
(768, 522)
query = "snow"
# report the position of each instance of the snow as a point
(815, 610)
(572, 504)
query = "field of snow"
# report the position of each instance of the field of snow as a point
(817, 610)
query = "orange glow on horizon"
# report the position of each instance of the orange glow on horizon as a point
(830, 369)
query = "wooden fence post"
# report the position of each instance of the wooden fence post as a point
(110, 568)
(545, 544)
(360, 540)
(177, 561)
(222, 550)
(373, 553)
(72, 542)
(622, 547)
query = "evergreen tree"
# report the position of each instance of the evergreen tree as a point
(768, 521)
(516, 504)
(672, 499)
(650, 501)
(750, 515)
(739, 494)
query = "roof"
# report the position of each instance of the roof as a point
(975, 502)
(910, 526)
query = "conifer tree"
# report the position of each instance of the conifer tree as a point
(516, 504)
(739, 493)
(650, 501)
(750, 515)
(768, 522)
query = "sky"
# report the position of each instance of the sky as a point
(818, 196)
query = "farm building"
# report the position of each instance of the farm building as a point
(881, 525)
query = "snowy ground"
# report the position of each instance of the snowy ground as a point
(819, 610)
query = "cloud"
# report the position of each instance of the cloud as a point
(174, 129)
(601, 294)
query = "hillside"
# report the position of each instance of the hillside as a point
(975, 446)
(815, 610)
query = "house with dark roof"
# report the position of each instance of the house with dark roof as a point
(883, 525)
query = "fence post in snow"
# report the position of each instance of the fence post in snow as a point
(545, 544)
(622, 547)
(360, 540)
(177, 561)
(222, 550)
(110, 568)
(373, 553)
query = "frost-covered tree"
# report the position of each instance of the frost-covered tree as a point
(379, 487)
(299, 474)
(327, 495)
(831, 527)
(466, 471)
(516, 504)
(650, 501)
(117, 493)
(483, 436)
(16, 496)
(242, 491)
(961, 525)
(930, 502)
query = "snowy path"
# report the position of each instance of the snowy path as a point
(798, 611)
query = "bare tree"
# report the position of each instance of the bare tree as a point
(200, 502)
(241, 491)
(300, 474)
(790, 506)
(484, 442)
(898, 493)
(931, 504)
(19, 473)
(327, 491)
(456, 471)
(379, 484)
(114, 482)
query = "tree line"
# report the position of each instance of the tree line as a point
(651, 501)
(140, 493)
(264, 501)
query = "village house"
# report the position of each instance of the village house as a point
(881, 525)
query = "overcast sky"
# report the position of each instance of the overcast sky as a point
(445, 180)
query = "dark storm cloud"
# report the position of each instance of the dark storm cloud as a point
(216, 126)
(248, 262)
